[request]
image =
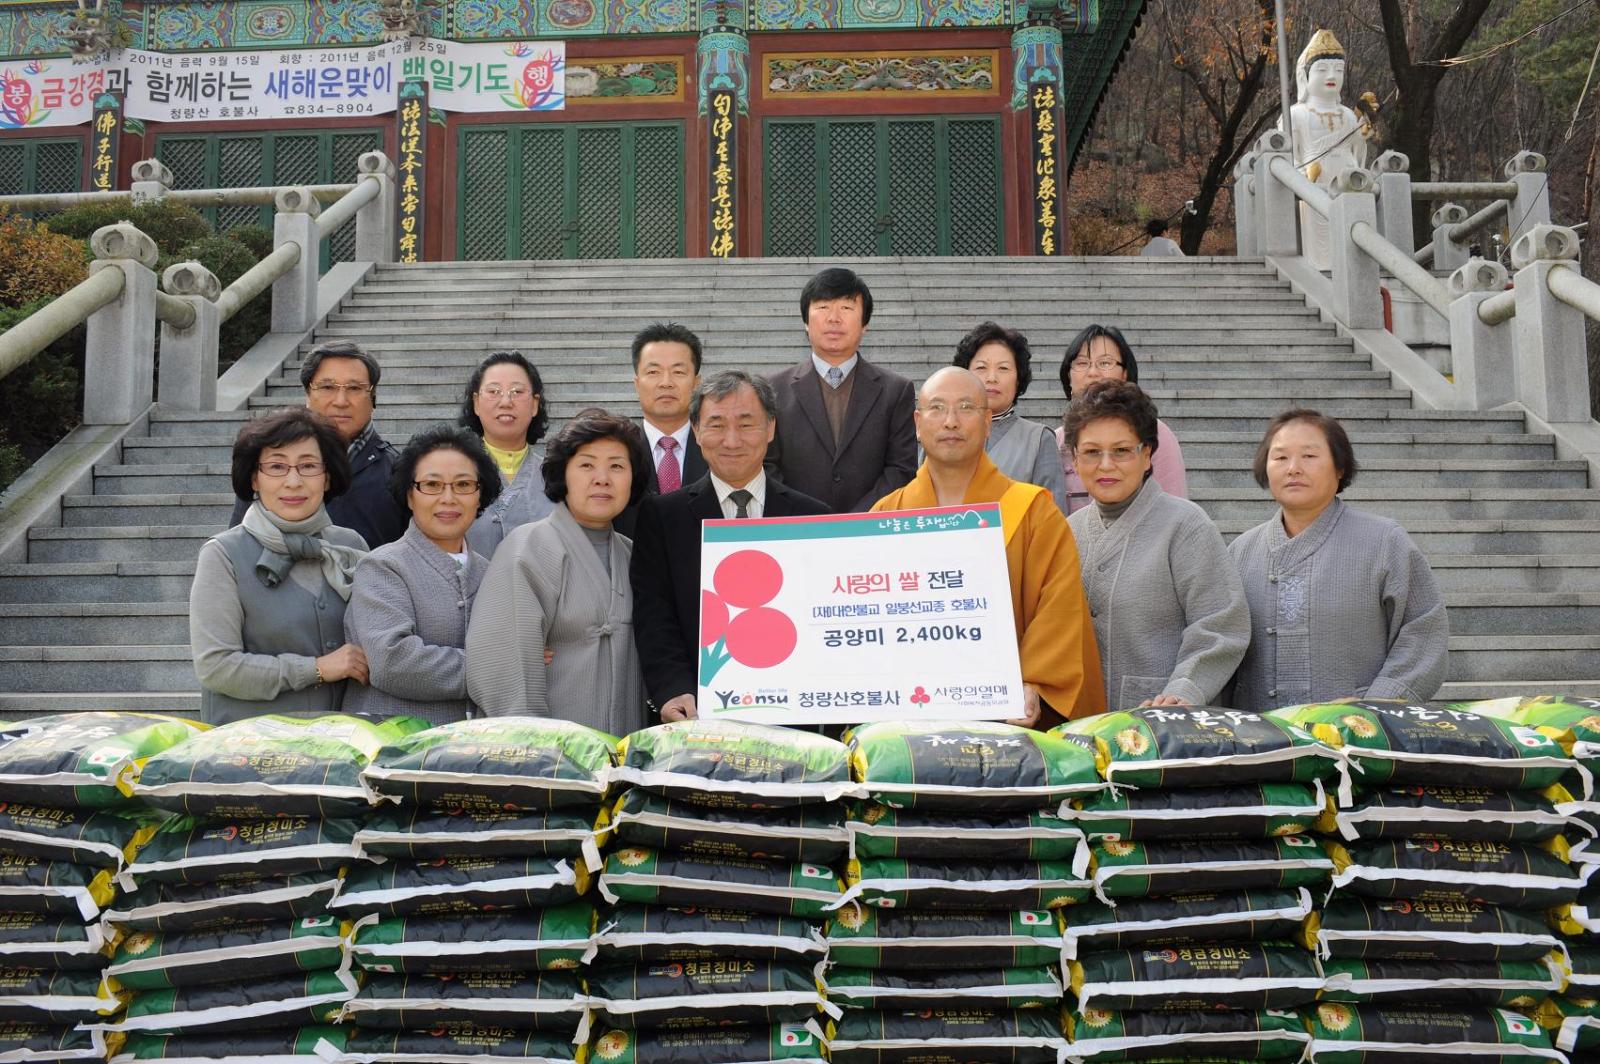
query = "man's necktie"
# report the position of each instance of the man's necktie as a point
(669, 475)
(835, 376)
(741, 499)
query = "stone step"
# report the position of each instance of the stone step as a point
(84, 669)
(978, 305)
(1523, 613)
(206, 510)
(1150, 359)
(1482, 689)
(1498, 657)
(1030, 318)
(1404, 504)
(1233, 472)
(97, 582)
(1516, 572)
(1512, 536)
(130, 543)
(90, 623)
(470, 347)
(35, 704)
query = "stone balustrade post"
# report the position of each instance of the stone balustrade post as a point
(1247, 243)
(1393, 172)
(294, 295)
(187, 378)
(1552, 364)
(1447, 253)
(119, 353)
(1278, 217)
(1357, 299)
(1531, 205)
(375, 222)
(1480, 359)
(151, 180)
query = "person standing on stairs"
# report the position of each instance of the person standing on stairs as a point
(505, 405)
(341, 383)
(666, 370)
(1023, 450)
(266, 610)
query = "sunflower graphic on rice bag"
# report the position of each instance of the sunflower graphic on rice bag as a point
(1201, 746)
(1344, 1033)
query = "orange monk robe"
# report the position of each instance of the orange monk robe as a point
(1055, 639)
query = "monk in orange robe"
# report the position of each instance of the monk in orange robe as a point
(1055, 639)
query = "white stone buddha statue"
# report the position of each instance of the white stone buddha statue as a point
(1328, 136)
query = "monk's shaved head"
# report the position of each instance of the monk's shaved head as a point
(952, 418)
(938, 382)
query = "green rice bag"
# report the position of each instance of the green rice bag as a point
(21, 1040)
(1375, 1034)
(559, 938)
(1572, 722)
(231, 900)
(1173, 747)
(690, 1043)
(724, 990)
(315, 997)
(1244, 811)
(653, 934)
(35, 885)
(456, 1043)
(1391, 742)
(650, 877)
(1499, 873)
(814, 834)
(1235, 975)
(460, 885)
(1583, 967)
(1469, 813)
(83, 759)
(1501, 984)
(53, 941)
(1572, 1019)
(1185, 920)
(1040, 835)
(1428, 929)
(271, 766)
(968, 766)
(147, 960)
(945, 1036)
(1007, 988)
(533, 1001)
(186, 852)
(892, 884)
(736, 766)
(496, 763)
(429, 833)
(862, 937)
(1235, 1034)
(102, 839)
(1140, 870)
(35, 995)
(284, 1045)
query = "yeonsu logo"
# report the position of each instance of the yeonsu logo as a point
(749, 698)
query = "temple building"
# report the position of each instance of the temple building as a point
(689, 128)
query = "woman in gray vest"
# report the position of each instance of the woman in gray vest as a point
(505, 406)
(266, 612)
(412, 597)
(1024, 450)
(551, 634)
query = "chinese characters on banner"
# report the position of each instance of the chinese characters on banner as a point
(410, 168)
(1046, 192)
(106, 143)
(52, 92)
(722, 175)
(858, 617)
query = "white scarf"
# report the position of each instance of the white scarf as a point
(285, 542)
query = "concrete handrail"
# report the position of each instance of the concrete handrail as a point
(194, 197)
(1463, 190)
(1497, 310)
(1427, 287)
(364, 192)
(1302, 186)
(1576, 291)
(58, 317)
(173, 311)
(257, 279)
(1462, 230)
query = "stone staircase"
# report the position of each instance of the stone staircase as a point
(97, 615)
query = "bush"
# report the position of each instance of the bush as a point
(38, 262)
(40, 401)
(170, 225)
(228, 258)
(258, 238)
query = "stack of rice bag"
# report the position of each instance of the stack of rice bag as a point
(947, 945)
(472, 930)
(720, 865)
(227, 932)
(1204, 872)
(67, 828)
(1447, 856)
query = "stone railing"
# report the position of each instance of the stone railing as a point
(123, 306)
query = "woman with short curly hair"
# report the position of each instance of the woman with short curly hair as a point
(1023, 450)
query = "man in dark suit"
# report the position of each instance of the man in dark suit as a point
(341, 383)
(734, 414)
(845, 434)
(666, 368)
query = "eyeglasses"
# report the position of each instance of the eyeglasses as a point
(1105, 365)
(1092, 457)
(327, 389)
(281, 469)
(494, 393)
(464, 486)
(965, 408)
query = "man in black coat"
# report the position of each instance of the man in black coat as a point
(666, 370)
(734, 414)
(341, 383)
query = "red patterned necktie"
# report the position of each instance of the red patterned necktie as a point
(669, 475)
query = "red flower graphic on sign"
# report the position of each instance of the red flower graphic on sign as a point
(920, 697)
(759, 636)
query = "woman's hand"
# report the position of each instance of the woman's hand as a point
(349, 662)
(1165, 700)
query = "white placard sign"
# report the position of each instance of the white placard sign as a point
(288, 83)
(37, 93)
(520, 76)
(858, 617)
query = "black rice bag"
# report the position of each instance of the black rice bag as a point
(863, 937)
(35, 885)
(459, 884)
(186, 852)
(1235, 975)
(652, 877)
(282, 1045)
(736, 766)
(1428, 929)
(558, 938)
(1499, 873)
(456, 1043)
(24, 1040)
(688, 1042)
(48, 940)
(812, 833)
(1466, 813)
(1505, 984)
(1231, 1034)
(876, 830)
(473, 832)
(232, 900)
(655, 933)
(1186, 920)
(151, 960)
(317, 997)
(725, 990)
(1141, 870)
(552, 1002)
(947, 1036)
(1402, 1034)
(890, 884)
(1242, 811)
(81, 836)
(34, 995)
(1009, 988)
(1173, 747)
(969, 766)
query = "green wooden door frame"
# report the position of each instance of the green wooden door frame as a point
(31, 166)
(503, 184)
(974, 181)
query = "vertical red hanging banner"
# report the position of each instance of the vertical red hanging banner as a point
(1044, 116)
(410, 166)
(723, 176)
(105, 147)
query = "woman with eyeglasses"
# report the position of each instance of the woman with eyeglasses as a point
(1101, 353)
(413, 598)
(505, 405)
(1169, 608)
(266, 610)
